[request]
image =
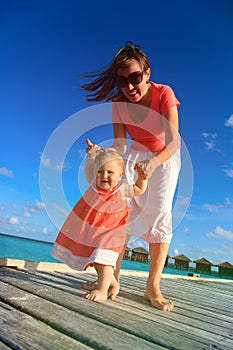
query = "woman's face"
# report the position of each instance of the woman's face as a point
(132, 91)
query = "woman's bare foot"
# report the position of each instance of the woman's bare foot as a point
(157, 300)
(96, 295)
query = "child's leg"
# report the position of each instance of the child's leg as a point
(112, 291)
(105, 279)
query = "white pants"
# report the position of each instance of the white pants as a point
(150, 215)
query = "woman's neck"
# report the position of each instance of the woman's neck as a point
(146, 99)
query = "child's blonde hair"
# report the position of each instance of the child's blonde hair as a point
(107, 155)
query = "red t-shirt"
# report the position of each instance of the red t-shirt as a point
(149, 133)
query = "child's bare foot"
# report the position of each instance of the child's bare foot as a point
(90, 285)
(96, 295)
(113, 289)
(157, 300)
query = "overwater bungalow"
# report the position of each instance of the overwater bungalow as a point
(203, 265)
(166, 262)
(140, 254)
(225, 269)
(126, 253)
(181, 262)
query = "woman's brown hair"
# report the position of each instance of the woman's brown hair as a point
(104, 87)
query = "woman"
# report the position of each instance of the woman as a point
(148, 112)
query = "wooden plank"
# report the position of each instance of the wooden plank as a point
(3, 346)
(190, 291)
(21, 331)
(78, 326)
(199, 318)
(137, 318)
(207, 315)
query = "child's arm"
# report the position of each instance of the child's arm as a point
(91, 155)
(141, 184)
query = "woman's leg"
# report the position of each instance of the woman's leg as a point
(158, 254)
(105, 280)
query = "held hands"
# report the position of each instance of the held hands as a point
(148, 166)
(141, 175)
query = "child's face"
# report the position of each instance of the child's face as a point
(109, 174)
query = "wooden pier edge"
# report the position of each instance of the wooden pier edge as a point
(31, 265)
(42, 306)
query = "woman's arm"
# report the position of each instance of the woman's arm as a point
(172, 137)
(119, 131)
(172, 143)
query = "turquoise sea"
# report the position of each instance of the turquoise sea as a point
(14, 247)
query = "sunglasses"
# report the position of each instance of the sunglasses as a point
(134, 78)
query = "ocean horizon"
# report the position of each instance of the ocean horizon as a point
(17, 247)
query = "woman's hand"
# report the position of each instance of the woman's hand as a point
(148, 166)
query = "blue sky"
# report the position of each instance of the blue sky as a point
(46, 46)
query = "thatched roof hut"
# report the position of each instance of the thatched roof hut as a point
(140, 254)
(225, 269)
(203, 265)
(126, 253)
(166, 262)
(181, 262)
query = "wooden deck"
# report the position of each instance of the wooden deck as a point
(46, 310)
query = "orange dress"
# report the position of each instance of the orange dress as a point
(95, 229)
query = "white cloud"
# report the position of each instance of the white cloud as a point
(229, 121)
(61, 210)
(219, 232)
(81, 153)
(212, 208)
(210, 145)
(27, 214)
(176, 251)
(6, 172)
(209, 135)
(45, 230)
(228, 202)
(228, 172)
(228, 249)
(39, 205)
(14, 220)
(183, 201)
(46, 162)
(34, 208)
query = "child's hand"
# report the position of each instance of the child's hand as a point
(148, 166)
(141, 174)
(89, 145)
(92, 149)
